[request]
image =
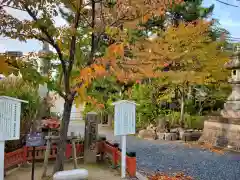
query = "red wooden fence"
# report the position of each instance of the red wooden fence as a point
(115, 155)
(24, 154)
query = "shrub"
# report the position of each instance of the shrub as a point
(194, 122)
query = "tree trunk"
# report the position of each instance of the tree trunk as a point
(182, 110)
(200, 108)
(190, 92)
(59, 164)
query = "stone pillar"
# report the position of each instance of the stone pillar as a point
(110, 119)
(90, 138)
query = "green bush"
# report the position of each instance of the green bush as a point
(17, 88)
(194, 122)
(174, 119)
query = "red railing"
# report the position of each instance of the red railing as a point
(24, 154)
(115, 155)
(14, 158)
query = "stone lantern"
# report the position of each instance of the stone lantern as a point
(232, 105)
(224, 130)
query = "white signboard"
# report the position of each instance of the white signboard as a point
(10, 109)
(124, 118)
(124, 124)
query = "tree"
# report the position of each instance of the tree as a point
(192, 57)
(189, 11)
(77, 67)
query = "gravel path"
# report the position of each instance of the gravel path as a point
(175, 157)
(172, 157)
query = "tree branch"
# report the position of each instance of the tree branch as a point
(91, 58)
(61, 93)
(74, 92)
(73, 44)
(51, 40)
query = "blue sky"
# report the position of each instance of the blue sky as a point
(228, 16)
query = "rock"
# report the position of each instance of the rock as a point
(154, 129)
(189, 130)
(186, 136)
(181, 131)
(171, 136)
(178, 131)
(160, 130)
(160, 135)
(147, 134)
(222, 141)
(175, 130)
(150, 127)
(191, 136)
(195, 135)
(75, 174)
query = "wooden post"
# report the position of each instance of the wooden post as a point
(33, 161)
(46, 156)
(90, 138)
(74, 152)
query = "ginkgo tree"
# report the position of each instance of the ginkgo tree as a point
(78, 65)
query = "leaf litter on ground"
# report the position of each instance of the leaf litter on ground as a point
(162, 176)
(205, 146)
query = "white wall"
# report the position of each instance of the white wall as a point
(76, 113)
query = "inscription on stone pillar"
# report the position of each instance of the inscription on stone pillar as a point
(90, 138)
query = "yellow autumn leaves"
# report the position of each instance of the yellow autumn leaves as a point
(188, 48)
(87, 75)
(5, 68)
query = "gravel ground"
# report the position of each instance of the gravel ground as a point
(170, 157)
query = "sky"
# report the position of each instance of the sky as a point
(227, 15)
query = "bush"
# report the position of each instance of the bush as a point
(190, 122)
(194, 122)
(17, 88)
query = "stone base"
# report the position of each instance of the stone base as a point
(222, 132)
(171, 136)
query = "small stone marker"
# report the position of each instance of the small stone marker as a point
(75, 174)
(90, 138)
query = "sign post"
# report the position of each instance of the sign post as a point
(10, 110)
(124, 124)
(33, 162)
(34, 140)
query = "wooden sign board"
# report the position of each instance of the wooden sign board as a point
(35, 140)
